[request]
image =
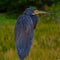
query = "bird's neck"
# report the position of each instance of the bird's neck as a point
(35, 20)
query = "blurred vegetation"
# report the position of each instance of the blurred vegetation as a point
(18, 6)
(46, 42)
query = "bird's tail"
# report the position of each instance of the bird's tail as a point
(22, 59)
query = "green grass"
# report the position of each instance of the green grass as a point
(46, 42)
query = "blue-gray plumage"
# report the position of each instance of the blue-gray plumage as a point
(24, 31)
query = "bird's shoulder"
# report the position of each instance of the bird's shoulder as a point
(24, 23)
(25, 19)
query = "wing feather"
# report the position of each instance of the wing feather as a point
(23, 35)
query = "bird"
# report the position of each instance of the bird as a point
(24, 31)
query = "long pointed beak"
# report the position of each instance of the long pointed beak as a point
(39, 12)
(42, 12)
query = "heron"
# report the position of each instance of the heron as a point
(24, 31)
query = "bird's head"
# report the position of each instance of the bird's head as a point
(33, 11)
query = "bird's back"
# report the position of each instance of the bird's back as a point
(23, 35)
(24, 24)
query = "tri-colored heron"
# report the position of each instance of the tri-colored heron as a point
(24, 31)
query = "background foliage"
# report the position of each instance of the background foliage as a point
(15, 6)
